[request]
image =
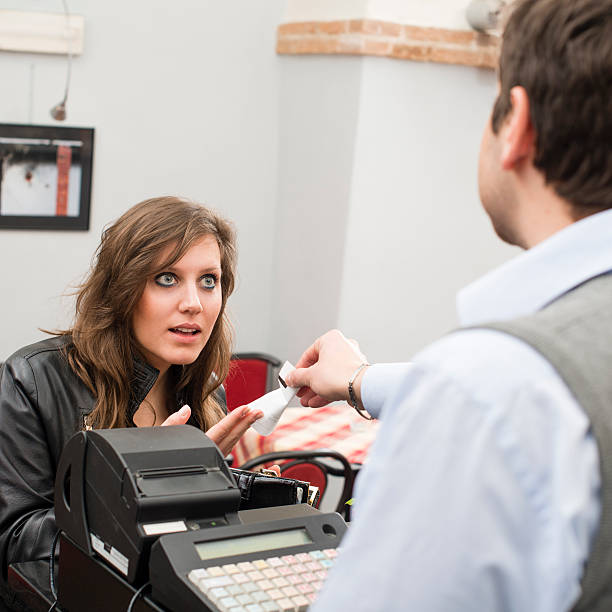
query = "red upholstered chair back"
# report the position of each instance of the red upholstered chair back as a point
(313, 473)
(251, 375)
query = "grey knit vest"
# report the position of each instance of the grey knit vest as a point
(574, 334)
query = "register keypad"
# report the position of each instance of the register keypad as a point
(277, 584)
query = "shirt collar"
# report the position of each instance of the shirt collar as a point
(529, 281)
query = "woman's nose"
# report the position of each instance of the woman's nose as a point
(190, 300)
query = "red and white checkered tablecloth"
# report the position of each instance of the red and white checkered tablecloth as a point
(337, 426)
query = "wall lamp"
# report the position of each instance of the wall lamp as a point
(485, 15)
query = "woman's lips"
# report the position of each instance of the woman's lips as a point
(185, 331)
(183, 334)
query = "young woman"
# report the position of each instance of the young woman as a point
(150, 337)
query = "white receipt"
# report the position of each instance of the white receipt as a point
(273, 404)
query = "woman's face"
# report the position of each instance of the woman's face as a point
(179, 307)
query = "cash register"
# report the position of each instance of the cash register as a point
(160, 506)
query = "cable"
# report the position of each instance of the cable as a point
(58, 112)
(31, 101)
(137, 594)
(52, 570)
(68, 51)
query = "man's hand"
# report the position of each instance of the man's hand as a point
(230, 429)
(323, 371)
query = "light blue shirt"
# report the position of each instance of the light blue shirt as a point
(481, 491)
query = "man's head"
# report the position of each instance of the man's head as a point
(560, 53)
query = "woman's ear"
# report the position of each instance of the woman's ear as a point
(517, 133)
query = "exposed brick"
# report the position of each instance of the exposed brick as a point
(445, 55)
(352, 45)
(486, 58)
(333, 27)
(325, 44)
(284, 46)
(302, 27)
(390, 29)
(452, 56)
(311, 45)
(372, 37)
(355, 25)
(410, 52)
(376, 47)
(413, 33)
(373, 26)
(370, 26)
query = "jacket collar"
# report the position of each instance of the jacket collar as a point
(144, 378)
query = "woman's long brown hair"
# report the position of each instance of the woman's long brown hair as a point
(103, 347)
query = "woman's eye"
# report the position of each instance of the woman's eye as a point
(209, 281)
(165, 279)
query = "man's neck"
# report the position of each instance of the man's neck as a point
(542, 211)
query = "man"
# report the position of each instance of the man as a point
(485, 487)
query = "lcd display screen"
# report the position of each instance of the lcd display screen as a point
(253, 543)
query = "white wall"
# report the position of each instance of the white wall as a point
(379, 218)
(416, 232)
(184, 100)
(325, 10)
(319, 108)
(432, 13)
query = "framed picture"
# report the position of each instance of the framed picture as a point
(45, 177)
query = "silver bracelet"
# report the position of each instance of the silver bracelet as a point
(352, 398)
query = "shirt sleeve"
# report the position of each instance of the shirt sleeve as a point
(377, 383)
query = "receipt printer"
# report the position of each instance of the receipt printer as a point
(118, 490)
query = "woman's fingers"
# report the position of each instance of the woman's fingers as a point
(227, 431)
(180, 417)
(230, 429)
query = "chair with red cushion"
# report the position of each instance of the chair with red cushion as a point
(251, 375)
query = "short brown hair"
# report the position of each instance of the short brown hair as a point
(103, 346)
(560, 52)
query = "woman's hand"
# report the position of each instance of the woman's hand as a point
(227, 431)
(180, 417)
(230, 429)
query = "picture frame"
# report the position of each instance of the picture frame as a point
(45, 177)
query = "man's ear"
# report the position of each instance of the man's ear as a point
(517, 134)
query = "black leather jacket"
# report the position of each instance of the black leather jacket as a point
(42, 404)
